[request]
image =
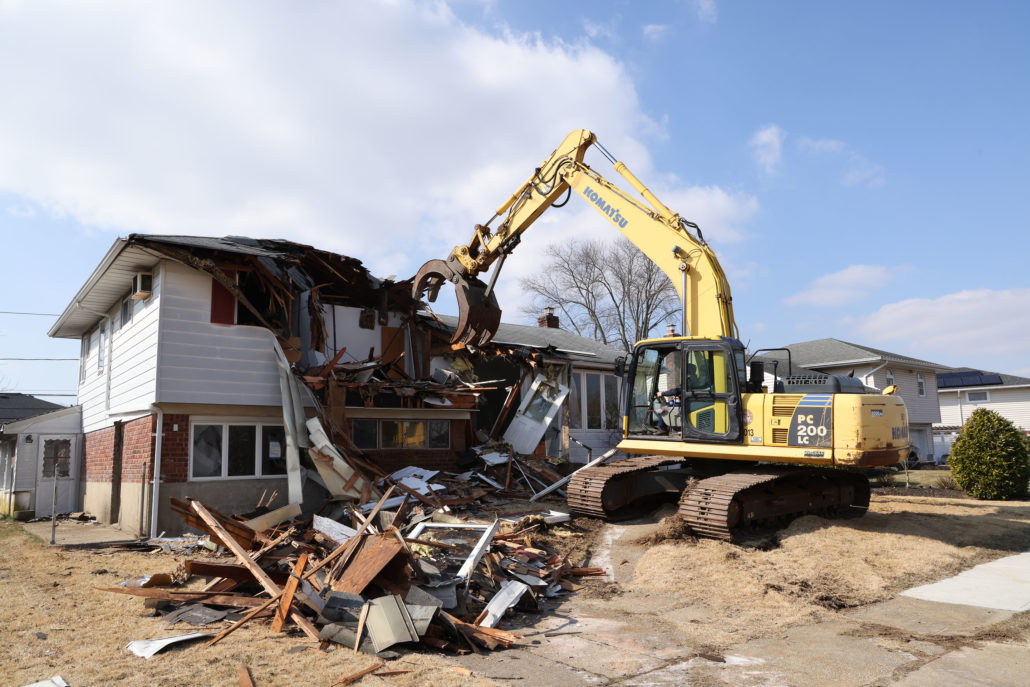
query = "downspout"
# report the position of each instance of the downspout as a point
(876, 369)
(156, 473)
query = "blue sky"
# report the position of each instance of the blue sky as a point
(859, 168)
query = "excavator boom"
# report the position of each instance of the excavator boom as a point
(673, 243)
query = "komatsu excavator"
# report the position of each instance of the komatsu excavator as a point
(694, 423)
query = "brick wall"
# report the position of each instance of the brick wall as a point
(98, 456)
(137, 449)
(175, 450)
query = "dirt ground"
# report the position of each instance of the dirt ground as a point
(700, 594)
(56, 623)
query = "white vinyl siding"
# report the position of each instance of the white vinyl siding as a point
(201, 362)
(126, 380)
(1011, 402)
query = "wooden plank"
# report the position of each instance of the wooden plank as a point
(274, 517)
(288, 592)
(213, 598)
(374, 554)
(259, 574)
(233, 572)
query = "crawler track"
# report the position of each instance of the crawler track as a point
(724, 506)
(605, 490)
(731, 504)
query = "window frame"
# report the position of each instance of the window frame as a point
(101, 345)
(379, 433)
(578, 380)
(224, 423)
(986, 398)
(921, 384)
(890, 377)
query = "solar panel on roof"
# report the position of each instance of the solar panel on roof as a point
(974, 378)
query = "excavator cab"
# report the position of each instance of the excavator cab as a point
(686, 389)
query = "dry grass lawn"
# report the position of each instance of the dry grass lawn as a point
(718, 594)
(52, 592)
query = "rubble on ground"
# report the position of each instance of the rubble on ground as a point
(436, 562)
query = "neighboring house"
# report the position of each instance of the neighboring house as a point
(963, 390)
(40, 460)
(589, 422)
(27, 424)
(916, 380)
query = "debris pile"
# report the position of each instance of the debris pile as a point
(402, 570)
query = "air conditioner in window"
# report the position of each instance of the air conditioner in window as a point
(142, 286)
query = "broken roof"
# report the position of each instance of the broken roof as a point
(19, 406)
(562, 343)
(834, 352)
(292, 267)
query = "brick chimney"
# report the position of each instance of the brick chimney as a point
(548, 319)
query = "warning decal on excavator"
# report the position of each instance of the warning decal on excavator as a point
(811, 424)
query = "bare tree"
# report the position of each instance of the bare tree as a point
(609, 291)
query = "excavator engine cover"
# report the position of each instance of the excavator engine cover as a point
(479, 315)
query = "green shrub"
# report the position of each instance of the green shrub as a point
(990, 458)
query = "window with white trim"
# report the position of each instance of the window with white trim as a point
(222, 449)
(83, 355)
(401, 434)
(890, 376)
(921, 383)
(102, 336)
(978, 396)
(594, 397)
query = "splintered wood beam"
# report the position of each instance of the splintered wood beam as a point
(287, 599)
(259, 574)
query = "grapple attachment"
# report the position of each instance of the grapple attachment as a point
(478, 312)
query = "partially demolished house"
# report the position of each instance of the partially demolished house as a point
(204, 360)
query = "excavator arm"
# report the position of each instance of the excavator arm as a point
(660, 234)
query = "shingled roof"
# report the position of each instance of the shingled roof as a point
(19, 406)
(833, 352)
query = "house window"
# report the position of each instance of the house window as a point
(125, 316)
(102, 334)
(414, 434)
(921, 383)
(366, 433)
(890, 376)
(978, 396)
(236, 449)
(593, 397)
(83, 354)
(57, 457)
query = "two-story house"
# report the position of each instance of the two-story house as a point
(187, 347)
(916, 380)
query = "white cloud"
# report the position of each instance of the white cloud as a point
(967, 327)
(655, 32)
(357, 127)
(858, 170)
(594, 29)
(846, 286)
(767, 147)
(706, 10)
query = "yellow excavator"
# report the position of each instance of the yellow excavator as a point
(695, 423)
